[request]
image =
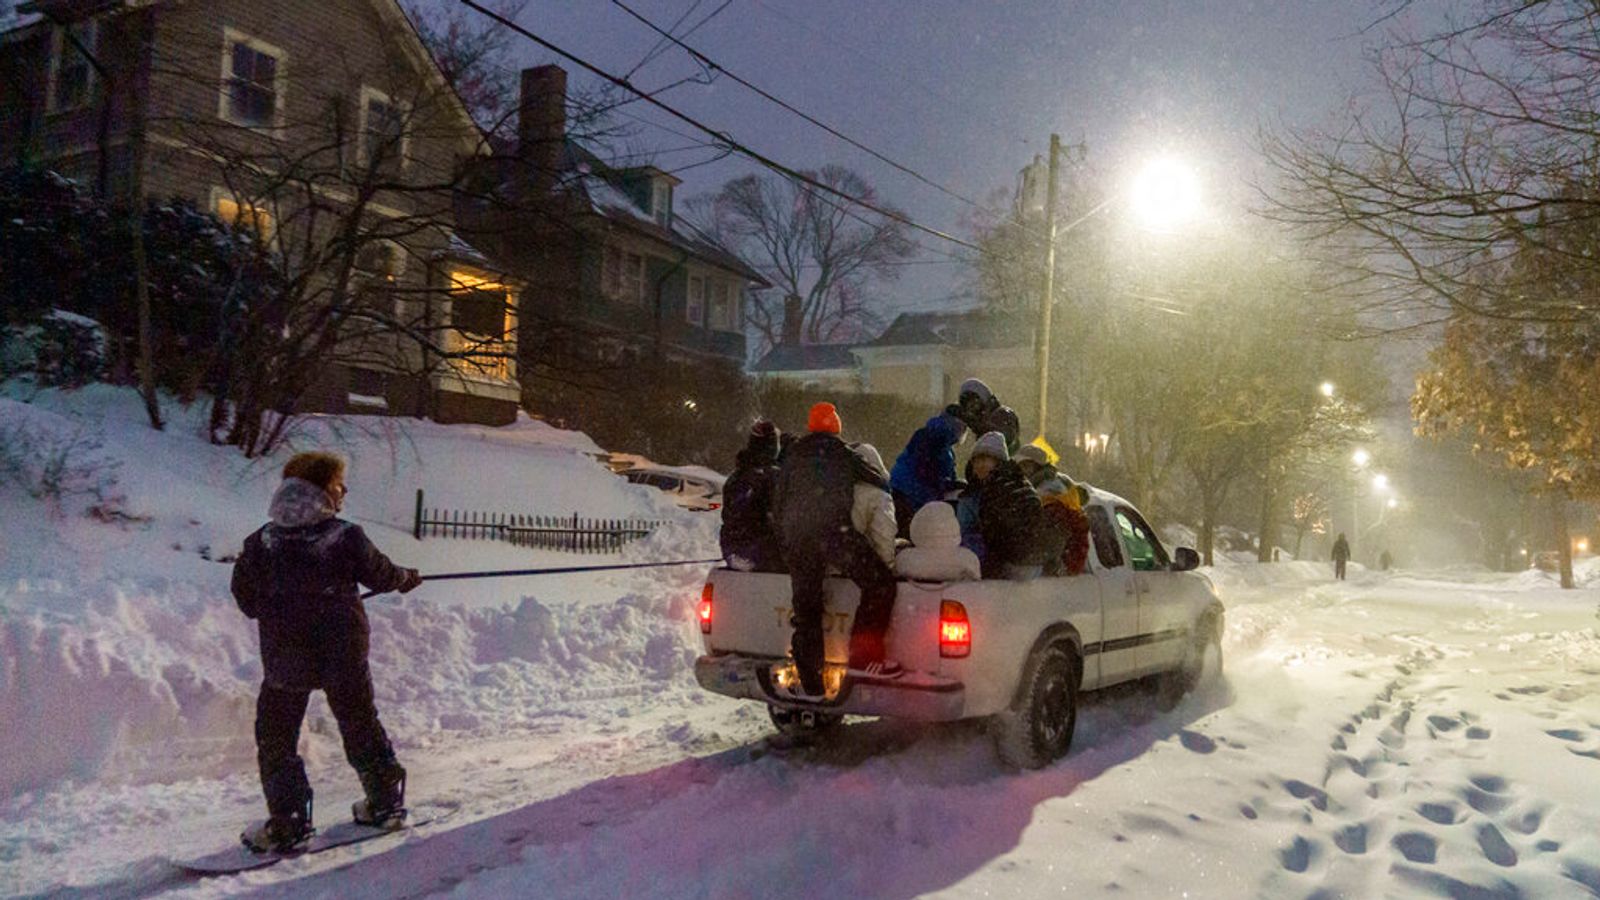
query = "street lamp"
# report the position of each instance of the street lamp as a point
(1327, 389)
(1380, 482)
(1166, 193)
(1361, 457)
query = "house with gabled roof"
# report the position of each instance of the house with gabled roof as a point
(612, 271)
(325, 129)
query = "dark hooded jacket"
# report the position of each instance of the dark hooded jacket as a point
(816, 488)
(1009, 518)
(926, 468)
(747, 529)
(298, 577)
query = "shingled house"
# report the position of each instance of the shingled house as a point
(324, 127)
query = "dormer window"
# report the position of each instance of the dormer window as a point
(661, 202)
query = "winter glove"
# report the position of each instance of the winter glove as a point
(410, 582)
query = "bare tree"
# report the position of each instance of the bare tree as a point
(808, 245)
(1480, 140)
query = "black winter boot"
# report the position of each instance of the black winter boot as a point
(281, 832)
(385, 803)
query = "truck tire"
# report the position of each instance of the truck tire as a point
(1202, 663)
(803, 723)
(1037, 729)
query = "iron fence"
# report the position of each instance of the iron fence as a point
(574, 533)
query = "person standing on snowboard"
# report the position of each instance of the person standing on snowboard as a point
(813, 502)
(298, 577)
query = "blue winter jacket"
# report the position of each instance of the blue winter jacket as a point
(926, 469)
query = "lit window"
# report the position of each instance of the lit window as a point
(244, 215)
(696, 302)
(252, 80)
(382, 130)
(724, 307)
(478, 306)
(71, 74)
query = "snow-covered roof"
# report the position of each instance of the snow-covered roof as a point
(972, 329)
(806, 358)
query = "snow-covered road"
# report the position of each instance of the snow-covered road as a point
(1405, 735)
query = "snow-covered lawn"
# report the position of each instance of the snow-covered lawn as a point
(1411, 734)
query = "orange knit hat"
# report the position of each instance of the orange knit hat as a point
(823, 418)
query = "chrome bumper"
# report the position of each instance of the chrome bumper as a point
(912, 695)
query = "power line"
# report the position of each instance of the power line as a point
(713, 66)
(725, 138)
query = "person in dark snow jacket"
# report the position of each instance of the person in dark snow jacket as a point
(1341, 556)
(1063, 509)
(749, 543)
(925, 470)
(1001, 519)
(812, 509)
(298, 577)
(983, 413)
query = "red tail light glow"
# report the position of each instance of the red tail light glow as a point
(705, 609)
(955, 631)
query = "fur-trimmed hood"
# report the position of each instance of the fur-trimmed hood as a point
(298, 503)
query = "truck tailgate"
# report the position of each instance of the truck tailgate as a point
(750, 616)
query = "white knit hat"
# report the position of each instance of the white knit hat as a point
(992, 444)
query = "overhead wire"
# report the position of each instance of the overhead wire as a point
(722, 136)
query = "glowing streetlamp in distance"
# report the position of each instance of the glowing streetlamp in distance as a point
(1327, 389)
(1361, 457)
(1393, 502)
(1380, 482)
(1164, 194)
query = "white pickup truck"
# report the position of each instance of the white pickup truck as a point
(1014, 652)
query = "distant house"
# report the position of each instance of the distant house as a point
(287, 116)
(921, 357)
(612, 271)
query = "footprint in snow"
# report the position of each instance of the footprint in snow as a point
(1196, 742)
(1297, 856)
(1528, 822)
(1440, 813)
(1416, 846)
(1479, 733)
(1352, 839)
(1531, 689)
(1302, 791)
(1443, 723)
(1494, 846)
(1565, 734)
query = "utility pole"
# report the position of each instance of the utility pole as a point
(1041, 341)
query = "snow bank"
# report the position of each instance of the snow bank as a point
(123, 658)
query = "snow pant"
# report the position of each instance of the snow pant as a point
(904, 509)
(1338, 569)
(809, 560)
(279, 714)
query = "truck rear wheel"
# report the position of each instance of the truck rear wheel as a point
(803, 722)
(1037, 729)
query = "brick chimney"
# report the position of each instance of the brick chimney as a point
(791, 320)
(542, 122)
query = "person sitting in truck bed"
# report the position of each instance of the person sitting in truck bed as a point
(873, 511)
(1001, 519)
(749, 542)
(925, 471)
(936, 553)
(1063, 509)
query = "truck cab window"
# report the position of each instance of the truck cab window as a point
(1143, 545)
(1105, 538)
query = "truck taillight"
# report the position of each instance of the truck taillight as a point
(955, 631)
(705, 609)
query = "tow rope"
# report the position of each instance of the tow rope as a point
(557, 570)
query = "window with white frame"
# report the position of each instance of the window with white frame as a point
(695, 302)
(382, 130)
(252, 80)
(661, 203)
(622, 277)
(71, 74)
(724, 307)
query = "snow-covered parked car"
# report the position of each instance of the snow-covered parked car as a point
(1015, 652)
(689, 486)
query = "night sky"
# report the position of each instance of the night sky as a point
(967, 92)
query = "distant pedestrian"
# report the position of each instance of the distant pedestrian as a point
(1341, 555)
(1385, 561)
(297, 577)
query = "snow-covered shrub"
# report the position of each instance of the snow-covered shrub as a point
(58, 465)
(61, 350)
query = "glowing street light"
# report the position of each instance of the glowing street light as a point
(1393, 502)
(1380, 482)
(1164, 194)
(1361, 457)
(1327, 389)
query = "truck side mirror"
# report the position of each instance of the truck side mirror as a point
(1185, 560)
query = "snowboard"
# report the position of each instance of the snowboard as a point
(239, 858)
